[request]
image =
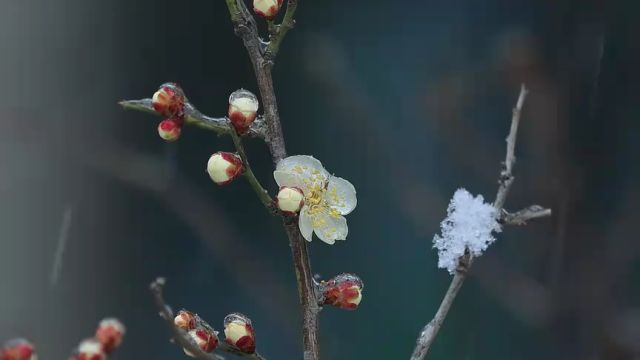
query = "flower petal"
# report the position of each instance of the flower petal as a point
(303, 171)
(329, 226)
(305, 224)
(341, 195)
(289, 179)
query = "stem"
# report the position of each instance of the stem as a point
(245, 27)
(182, 338)
(263, 195)
(429, 332)
(288, 22)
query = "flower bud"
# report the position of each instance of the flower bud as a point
(239, 333)
(223, 167)
(206, 339)
(243, 109)
(268, 9)
(169, 129)
(343, 291)
(90, 349)
(169, 100)
(18, 349)
(185, 320)
(110, 333)
(290, 200)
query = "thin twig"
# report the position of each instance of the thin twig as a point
(196, 118)
(244, 26)
(262, 194)
(521, 217)
(179, 336)
(429, 332)
(288, 22)
(182, 338)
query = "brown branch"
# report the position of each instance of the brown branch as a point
(182, 338)
(244, 26)
(179, 336)
(288, 22)
(429, 332)
(196, 118)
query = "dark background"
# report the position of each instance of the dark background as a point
(408, 100)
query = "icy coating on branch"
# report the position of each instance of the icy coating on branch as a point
(469, 225)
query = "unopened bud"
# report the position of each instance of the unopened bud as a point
(223, 167)
(243, 109)
(90, 349)
(110, 333)
(185, 320)
(169, 100)
(268, 9)
(290, 200)
(18, 349)
(343, 291)
(239, 333)
(169, 129)
(206, 339)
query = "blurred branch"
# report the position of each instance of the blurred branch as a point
(430, 331)
(181, 336)
(521, 217)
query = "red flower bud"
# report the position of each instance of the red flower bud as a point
(343, 291)
(110, 333)
(185, 320)
(243, 109)
(18, 349)
(239, 333)
(206, 339)
(169, 129)
(90, 349)
(223, 167)
(169, 100)
(268, 9)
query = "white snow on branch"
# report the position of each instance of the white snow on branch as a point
(469, 224)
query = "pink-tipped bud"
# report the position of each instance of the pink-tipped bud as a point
(18, 349)
(343, 291)
(169, 100)
(290, 200)
(268, 9)
(243, 109)
(239, 333)
(223, 167)
(206, 339)
(110, 333)
(169, 130)
(185, 320)
(90, 349)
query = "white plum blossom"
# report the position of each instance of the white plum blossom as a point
(469, 225)
(326, 197)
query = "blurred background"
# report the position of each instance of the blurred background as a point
(408, 100)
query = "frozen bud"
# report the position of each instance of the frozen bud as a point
(239, 333)
(206, 339)
(169, 100)
(343, 291)
(185, 320)
(110, 333)
(290, 200)
(268, 9)
(223, 167)
(90, 349)
(169, 130)
(18, 349)
(243, 109)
